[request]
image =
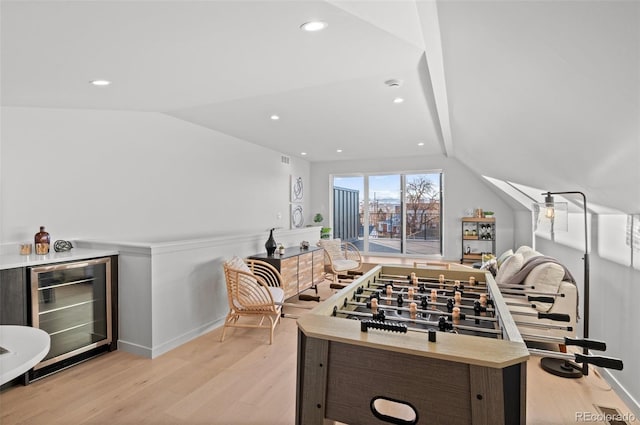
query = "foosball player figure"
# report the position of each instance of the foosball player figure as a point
(455, 315)
(413, 310)
(472, 281)
(389, 293)
(457, 297)
(434, 296)
(483, 303)
(374, 305)
(410, 293)
(441, 280)
(424, 303)
(414, 279)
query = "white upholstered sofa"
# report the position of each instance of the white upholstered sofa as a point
(530, 272)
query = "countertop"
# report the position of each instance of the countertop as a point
(25, 346)
(10, 260)
(288, 253)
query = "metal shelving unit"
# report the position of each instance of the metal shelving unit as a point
(478, 237)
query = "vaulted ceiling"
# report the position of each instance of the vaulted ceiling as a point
(541, 93)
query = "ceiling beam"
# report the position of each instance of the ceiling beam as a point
(430, 25)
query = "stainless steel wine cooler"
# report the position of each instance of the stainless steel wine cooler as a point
(72, 303)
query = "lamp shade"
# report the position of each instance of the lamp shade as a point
(550, 217)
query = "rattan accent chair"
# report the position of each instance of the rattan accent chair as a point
(253, 289)
(340, 257)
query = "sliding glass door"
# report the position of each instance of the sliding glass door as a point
(423, 205)
(385, 214)
(396, 213)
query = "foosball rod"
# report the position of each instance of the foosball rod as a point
(531, 300)
(407, 282)
(422, 322)
(556, 317)
(537, 293)
(402, 288)
(501, 285)
(590, 344)
(419, 294)
(605, 362)
(544, 326)
(419, 311)
(429, 279)
(469, 307)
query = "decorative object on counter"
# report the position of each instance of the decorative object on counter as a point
(62, 246)
(281, 249)
(488, 214)
(42, 241)
(478, 213)
(318, 218)
(304, 245)
(25, 249)
(271, 244)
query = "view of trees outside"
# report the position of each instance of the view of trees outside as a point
(423, 205)
(385, 208)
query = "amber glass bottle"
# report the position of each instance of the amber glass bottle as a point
(42, 241)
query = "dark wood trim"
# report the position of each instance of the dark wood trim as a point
(114, 303)
(13, 297)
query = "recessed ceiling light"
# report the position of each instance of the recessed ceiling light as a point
(421, 144)
(100, 82)
(275, 117)
(338, 150)
(398, 100)
(312, 26)
(303, 153)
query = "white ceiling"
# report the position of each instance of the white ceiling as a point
(541, 93)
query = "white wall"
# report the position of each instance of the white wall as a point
(614, 293)
(462, 191)
(135, 176)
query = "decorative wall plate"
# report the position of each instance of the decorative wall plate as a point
(297, 216)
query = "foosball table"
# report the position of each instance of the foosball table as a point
(410, 345)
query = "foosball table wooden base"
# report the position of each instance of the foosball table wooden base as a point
(459, 379)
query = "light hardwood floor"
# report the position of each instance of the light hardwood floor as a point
(242, 380)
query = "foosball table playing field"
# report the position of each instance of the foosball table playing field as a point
(407, 345)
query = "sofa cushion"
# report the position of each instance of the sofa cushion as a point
(545, 278)
(522, 249)
(527, 252)
(510, 267)
(342, 265)
(508, 253)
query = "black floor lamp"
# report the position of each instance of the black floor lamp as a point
(561, 367)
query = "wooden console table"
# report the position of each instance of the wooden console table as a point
(301, 269)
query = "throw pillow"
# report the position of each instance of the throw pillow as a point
(238, 263)
(510, 267)
(508, 253)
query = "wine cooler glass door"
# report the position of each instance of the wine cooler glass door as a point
(71, 302)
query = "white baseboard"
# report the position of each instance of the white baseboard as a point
(136, 349)
(621, 391)
(184, 338)
(156, 351)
